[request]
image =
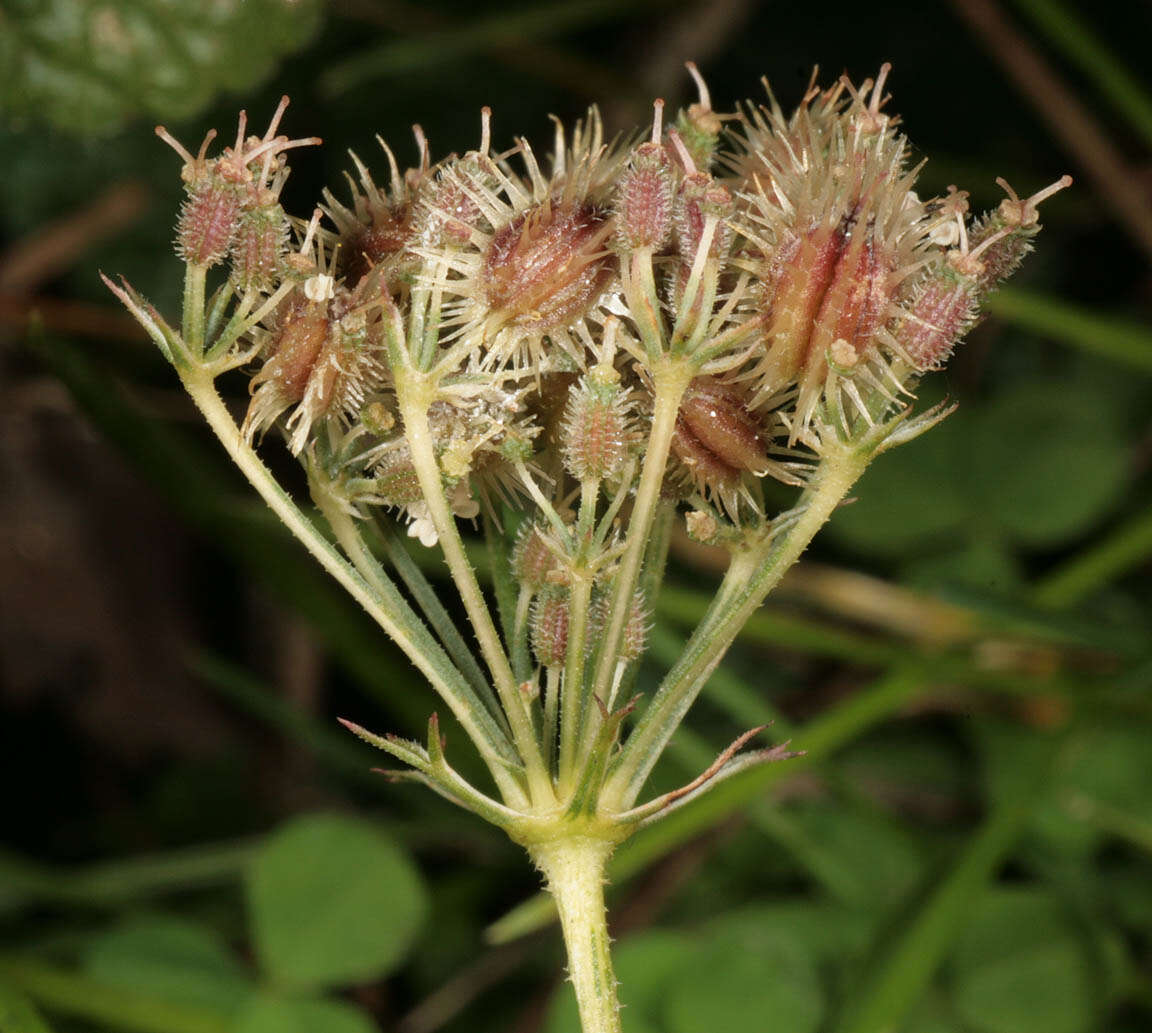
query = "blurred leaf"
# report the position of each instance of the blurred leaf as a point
(1047, 464)
(18, 1014)
(1020, 967)
(333, 900)
(906, 959)
(743, 973)
(170, 959)
(118, 1008)
(1095, 332)
(912, 499)
(89, 67)
(876, 860)
(267, 1014)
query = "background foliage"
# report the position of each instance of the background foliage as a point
(191, 844)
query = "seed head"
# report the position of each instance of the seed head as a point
(549, 626)
(596, 434)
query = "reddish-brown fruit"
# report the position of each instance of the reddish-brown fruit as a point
(258, 248)
(303, 331)
(532, 560)
(208, 221)
(645, 199)
(595, 434)
(940, 313)
(546, 267)
(713, 418)
(701, 198)
(549, 627)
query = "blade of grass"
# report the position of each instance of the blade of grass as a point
(109, 884)
(1073, 38)
(1098, 565)
(18, 1014)
(909, 961)
(1124, 341)
(687, 607)
(75, 996)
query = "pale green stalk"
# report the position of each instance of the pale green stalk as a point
(392, 614)
(751, 577)
(412, 395)
(347, 533)
(573, 868)
(670, 381)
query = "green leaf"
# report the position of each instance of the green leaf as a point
(89, 67)
(333, 900)
(874, 860)
(1021, 968)
(912, 499)
(269, 1014)
(18, 1014)
(1046, 465)
(746, 976)
(170, 959)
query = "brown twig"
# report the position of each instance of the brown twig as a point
(1067, 119)
(49, 249)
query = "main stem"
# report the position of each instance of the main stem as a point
(574, 870)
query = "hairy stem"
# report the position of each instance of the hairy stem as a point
(386, 608)
(574, 871)
(670, 382)
(753, 574)
(418, 433)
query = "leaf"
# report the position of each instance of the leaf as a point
(742, 974)
(18, 1014)
(169, 959)
(268, 1014)
(333, 900)
(89, 67)
(912, 499)
(1047, 464)
(1021, 968)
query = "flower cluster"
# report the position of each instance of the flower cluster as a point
(789, 253)
(574, 351)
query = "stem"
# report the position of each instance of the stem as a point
(574, 871)
(192, 329)
(670, 382)
(751, 576)
(387, 608)
(414, 410)
(574, 701)
(354, 546)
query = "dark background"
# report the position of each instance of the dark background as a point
(171, 665)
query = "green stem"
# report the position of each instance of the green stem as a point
(354, 546)
(670, 380)
(573, 868)
(192, 328)
(574, 707)
(439, 618)
(384, 606)
(751, 576)
(414, 410)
